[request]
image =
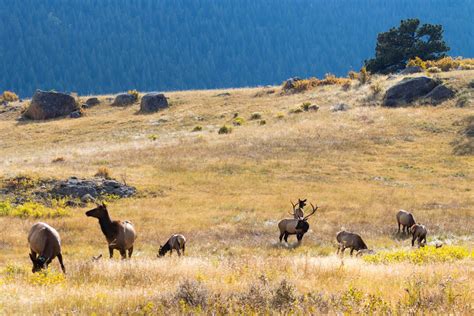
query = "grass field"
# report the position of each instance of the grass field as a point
(226, 194)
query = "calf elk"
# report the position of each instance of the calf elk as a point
(176, 242)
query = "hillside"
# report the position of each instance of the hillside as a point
(91, 46)
(226, 194)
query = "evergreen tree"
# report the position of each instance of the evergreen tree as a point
(398, 45)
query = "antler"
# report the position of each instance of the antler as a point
(293, 205)
(314, 211)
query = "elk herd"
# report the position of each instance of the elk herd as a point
(45, 243)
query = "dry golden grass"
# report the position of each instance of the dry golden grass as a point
(226, 192)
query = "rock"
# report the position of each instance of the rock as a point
(408, 90)
(124, 99)
(411, 70)
(78, 188)
(340, 107)
(87, 198)
(92, 102)
(290, 83)
(224, 94)
(152, 102)
(46, 105)
(75, 114)
(439, 94)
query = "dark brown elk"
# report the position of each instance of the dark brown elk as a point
(294, 226)
(45, 242)
(298, 213)
(406, 220)
(419, 233)
(350, 240)
(176, 242)
(119, 235)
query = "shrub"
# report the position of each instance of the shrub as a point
(305, 84)
(103, 172)
(305, 106)
(58, 159)
(417, 61)
(31, 210)
(364, 76)
(353, 75)
(255, 116)
(330, 79)
(421, 255)
(225, 130)
(192, 293)
(347, 85)
(433, 70)
(9, 96)
(152, 137)
(296, 110)
(197, 128)
(262, 122)
(238, 121)
(376, 89)
(134, 93)
(280, 115)
(284, 296)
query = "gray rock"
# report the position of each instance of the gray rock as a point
(290, 83)
(46, 105)
(124, 99)
(92, 102)
(340, 107)
(408, 90)
(152, 102)
(78, 188)
(87, 198)
(411, 70)
(75, 114)
(439, 94)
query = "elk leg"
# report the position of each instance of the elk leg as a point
(33, 253)
(413, 241)
(179, 252)
(130, 251)
(281, 236)
(352, 250)
(60, 259)
(286, 237)
(111, 252)
(184, 247)
(399, 228)
(123, 253)
(299, 237)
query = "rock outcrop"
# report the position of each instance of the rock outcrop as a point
(48, 104)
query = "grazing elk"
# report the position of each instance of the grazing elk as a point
(406, 220)
(45, 242)
(295, 226)
(418, 232)
(298, 213)
(176, 242)
(350, 240)
(119, 235)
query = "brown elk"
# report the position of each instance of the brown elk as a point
(419, 233)
(45, 242)
(350, 240)
(119, 235)
(176, 242)
(406, 220)
(295, 226)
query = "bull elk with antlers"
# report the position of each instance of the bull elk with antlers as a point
(295, 226)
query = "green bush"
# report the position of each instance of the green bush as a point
(262, 122)
(225, 130)
(255, 116)
(197, 128)
(238, 121)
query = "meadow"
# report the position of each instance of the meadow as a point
(227, 192)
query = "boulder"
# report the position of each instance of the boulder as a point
(124, 99)
(408, 90)
(290, 83)
(411, 70)
(47, 104)
(340, 107)
(152, 102)
(92, 102)
(439, 94)
(75, 114)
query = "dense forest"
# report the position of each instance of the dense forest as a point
(106, 46)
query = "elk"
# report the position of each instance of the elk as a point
(295, 226)
(353, 241)
(176, 242)
(419, 232)
(119, 235)
(298, 213)
(406, 220)
(45, 242)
